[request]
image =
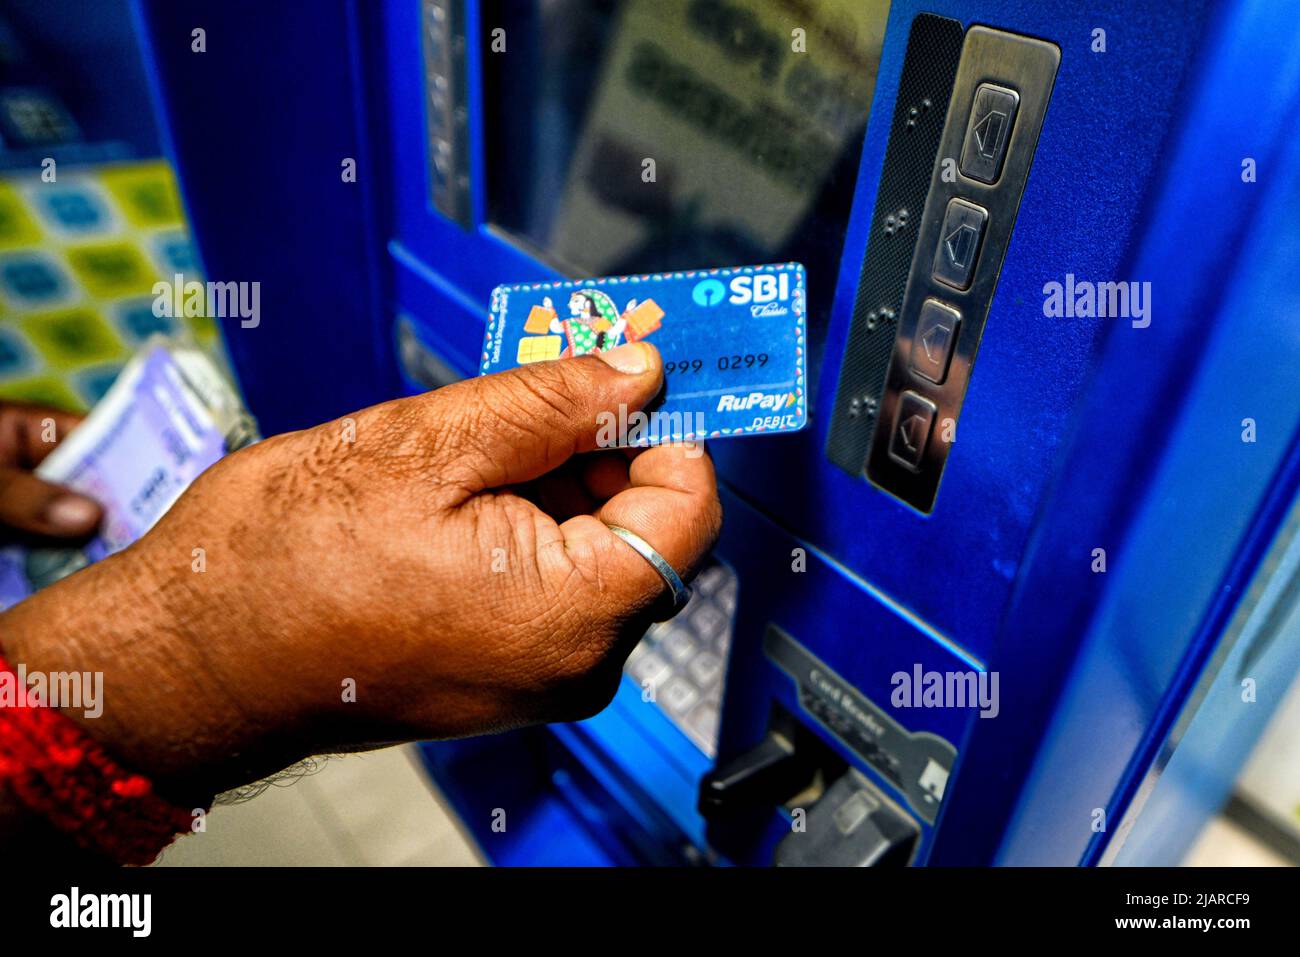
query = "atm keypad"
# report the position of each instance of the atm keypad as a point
(684, 660)
(705, 669)
(678, 696)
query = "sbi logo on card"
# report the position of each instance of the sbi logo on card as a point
(761, 292)
(708, 292)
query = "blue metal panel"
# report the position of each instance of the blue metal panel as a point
(259, 126)
(1158, 475)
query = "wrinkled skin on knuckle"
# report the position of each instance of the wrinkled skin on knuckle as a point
(460, 439)
(538, 407)
(411, 442)
(573, 665)
(555, 633)
(584, 681)
(482, 575)
(554, 386)
(529, 407)
(631, 595)
(474, 428)
(295, 507)
(552, 634)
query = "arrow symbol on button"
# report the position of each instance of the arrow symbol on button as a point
(959, 243)
(909, 427)
(988, 133)
(936, 334)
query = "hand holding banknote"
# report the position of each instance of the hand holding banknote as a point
(434, 566)
(30, 508)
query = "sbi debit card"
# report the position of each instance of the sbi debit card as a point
(732, 342)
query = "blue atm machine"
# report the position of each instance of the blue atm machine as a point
(1025, 590)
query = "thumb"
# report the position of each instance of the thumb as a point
(517, 425)
(39, 508)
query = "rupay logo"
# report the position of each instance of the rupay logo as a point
(768, 401)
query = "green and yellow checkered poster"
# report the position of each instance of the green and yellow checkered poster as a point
(79, 258)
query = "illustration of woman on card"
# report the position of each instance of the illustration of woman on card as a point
(594, 322)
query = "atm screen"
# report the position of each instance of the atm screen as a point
(647, 135)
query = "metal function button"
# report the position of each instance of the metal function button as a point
(929, 68)
(999, 100)
(988, 132)
(912, 429)
(936, 333)
(959, 243)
